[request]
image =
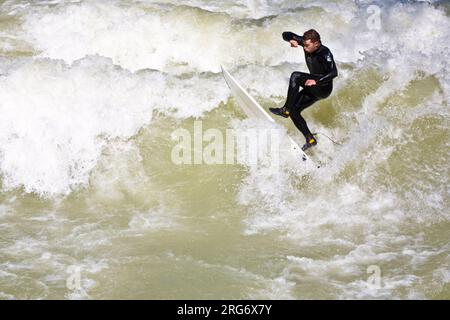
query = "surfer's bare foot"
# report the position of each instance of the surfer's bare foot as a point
(310, 141)
(283, 111)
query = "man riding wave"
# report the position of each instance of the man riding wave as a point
(316, 85)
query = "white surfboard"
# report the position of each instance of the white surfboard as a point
(253, 110)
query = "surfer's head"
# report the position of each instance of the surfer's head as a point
(311, 41)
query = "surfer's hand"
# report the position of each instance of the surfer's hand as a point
(310, 83)
(294, 43)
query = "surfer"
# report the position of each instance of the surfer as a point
(316, 85)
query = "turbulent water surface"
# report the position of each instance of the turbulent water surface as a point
(92, 207)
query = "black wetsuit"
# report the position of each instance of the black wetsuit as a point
(322, 69)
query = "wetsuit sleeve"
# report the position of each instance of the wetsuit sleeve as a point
(330, 66)
(288, 36)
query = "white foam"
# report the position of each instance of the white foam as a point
(136, 38)
(57, 118)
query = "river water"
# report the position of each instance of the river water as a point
(92, 207)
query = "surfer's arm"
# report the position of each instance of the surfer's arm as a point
(331, 67)
(288, 36)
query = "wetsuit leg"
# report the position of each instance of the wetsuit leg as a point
(303, 101)
(296, 80)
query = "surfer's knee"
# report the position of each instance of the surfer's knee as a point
(298, 78)
(295, 76)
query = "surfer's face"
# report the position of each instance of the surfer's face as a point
(310, 46)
